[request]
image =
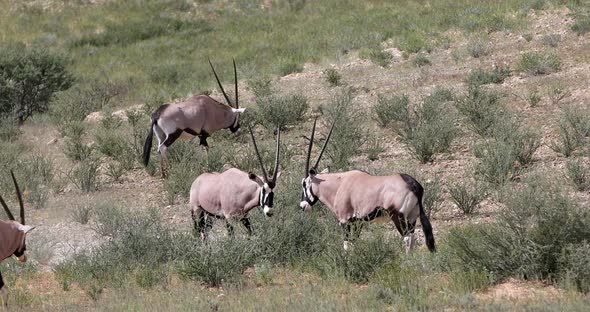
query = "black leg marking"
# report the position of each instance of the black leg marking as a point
(198, 221)
(203, 138)
(1, 281)
(191, 131)
(405, 227)
(172, 137)
(246, 223)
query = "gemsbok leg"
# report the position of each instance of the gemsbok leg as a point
(3, 292)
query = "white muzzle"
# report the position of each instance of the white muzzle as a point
(304, 205)
(267, 211)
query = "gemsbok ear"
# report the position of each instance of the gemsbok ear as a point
(25, 228)
(252, 176)
(325, 170)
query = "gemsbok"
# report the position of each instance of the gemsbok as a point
(200, 115)
(12, 236)
(356, 195)
(230, 195)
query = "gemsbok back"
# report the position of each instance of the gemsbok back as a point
(12, 236)
(356, 195)
(200, 115)
(232, 194)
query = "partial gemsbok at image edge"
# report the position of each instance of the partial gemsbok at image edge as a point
(12, 236)
(233, 193)
(356, 195)
(200, 115)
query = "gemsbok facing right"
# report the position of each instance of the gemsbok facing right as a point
(12, 236)
(200, 115)
(232, 194)
(356, 195)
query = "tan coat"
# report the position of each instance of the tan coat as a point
(11, 238)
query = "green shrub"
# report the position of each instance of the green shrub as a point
(497, 162)
(579, 174)
(289, 66)
(533, 97)
(525, 241)
(551, 40)
(412, 42)
(85, 175)
(557, 92)
(582, 24)
(478, 48)
(574, 129)
(348, 134)
(281, 111)
(359, 262)
(29, 77)
(9, 130)
(218, 263)
(534, 63)
(432, 130)
(481, 77)
(392, 109)
(374, 148)
(482, 109)
(376, 55)
(466, 197)
(81, 214)
(421, 60)
(37, 172)
(574, 263)
(333, 77)
(74, 148)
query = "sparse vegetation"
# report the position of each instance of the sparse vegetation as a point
(85, 175)
(481, 77)
(574, 129)
(333, 77)
(467, 197)
(579, 174)
(534, 63)
(376, 55)
(478, 48)
(421, 60)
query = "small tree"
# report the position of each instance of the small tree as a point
(29, 77)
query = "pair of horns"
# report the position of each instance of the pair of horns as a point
(221, 87)
(323, 147)
(20, 202)
(276, 169)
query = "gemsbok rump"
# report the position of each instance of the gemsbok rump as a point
(199, 116)
(232, 194)
(12, 236)
(356, 195)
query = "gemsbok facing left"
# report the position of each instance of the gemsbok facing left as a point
(12, 236)
(230, 195)
(356, 195)
(200, 115)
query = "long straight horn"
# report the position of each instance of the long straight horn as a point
(274, 173)
(8, 213)
(265, 176)
(219, 84)
(20, 199)
(236, 82)
(310, 146)
(325, 144)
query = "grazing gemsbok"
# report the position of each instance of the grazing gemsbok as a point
(230, 195)
(200, 115)
(356, 195)
(12, 236)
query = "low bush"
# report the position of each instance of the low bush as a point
(219, 263)
(467, 197)
(282, 111)
(478, 48)
(376, 55)
(75, 149)
(81, 214)
(482, 109)
(392, 110)
(85, 175)
(9, 130)
(421, 60)
(29, 78)
(574, 130)
(551, 40)
(579, 175)
(333, 77)
(359, 262)
(574, 263)
(525, 241)
(348, 134)
(582, 24)
(535, 64)
(481, 77)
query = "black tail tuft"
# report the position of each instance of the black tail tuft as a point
(147, 146)
(418, 190)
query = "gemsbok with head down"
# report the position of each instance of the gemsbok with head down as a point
(356, 195)
(200, 115)
(12, 236)
(230, 195)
